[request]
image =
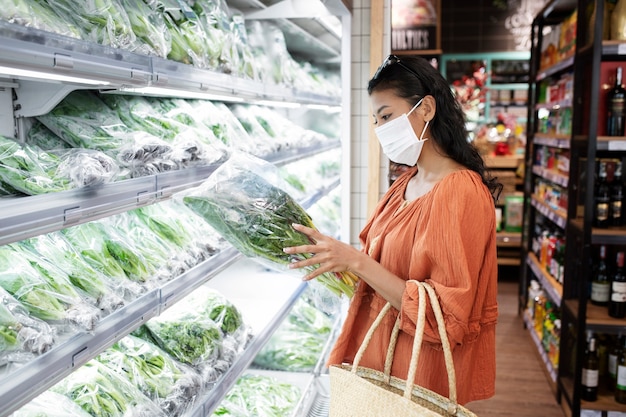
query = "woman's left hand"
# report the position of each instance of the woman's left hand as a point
(330, 254)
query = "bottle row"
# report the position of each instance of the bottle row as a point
(604, 367)
(548, 244)
(545, 318)
(609, 194)
(608, 284)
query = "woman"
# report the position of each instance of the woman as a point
(436, 224)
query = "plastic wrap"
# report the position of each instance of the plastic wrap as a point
(241, 202)
(149, 27)
(44, 290)
(190, 339)
(94, 245)
(86, 167)
(188, 36)
(176, 223)
(104, 22)
(37, 15)
(298, 342)
(166, 259)
(20, 333)
(57, 250)
(39, 135)
(28, 170)
(102, 392)
(258, 395)
(213, 305)
(51, 404)
(170, 384)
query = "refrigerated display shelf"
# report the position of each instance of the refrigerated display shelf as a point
(20, 385)
(85, 65)
(24, 217)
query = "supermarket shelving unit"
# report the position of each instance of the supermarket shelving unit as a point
(83, 65)
(585, 144)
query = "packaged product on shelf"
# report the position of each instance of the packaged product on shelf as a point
(149, 27)
(170, 384)
(38, 15)
(21, 334)
(104, 22)
(240, 200)
(513, 212)
(101, 391)
(44, 289)
(260, 395)
(190, 338)
(51, 404)
(100, 251)
(298, 342)
(57, 250)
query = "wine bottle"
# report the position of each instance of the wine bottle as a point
(617, 302)
(617, 196)
(615, 107)
(613, 357)
(620, 384)
(601, 286)
(590, 375)
(602, 197)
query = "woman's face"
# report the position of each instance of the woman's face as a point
(386, 106)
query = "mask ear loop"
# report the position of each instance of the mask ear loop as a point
(424, 130)
(416, 106)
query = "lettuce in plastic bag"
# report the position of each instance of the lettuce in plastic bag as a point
(103, 392)
(170, 384)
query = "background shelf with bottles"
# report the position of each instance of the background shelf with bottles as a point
(572, 71)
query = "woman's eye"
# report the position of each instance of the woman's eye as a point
(385, 117)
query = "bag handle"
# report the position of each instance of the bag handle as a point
(422, 288)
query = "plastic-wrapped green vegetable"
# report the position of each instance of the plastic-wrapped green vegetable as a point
(51, 404)
(255, 216)
(56, 249)
(29, 170)
(43, 289)
(103, 392)
(108, 251)
(259, 395)
(170, 384)
(37, 15)
(298, 342)
(20, 332)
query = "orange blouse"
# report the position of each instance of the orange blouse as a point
(447, 237)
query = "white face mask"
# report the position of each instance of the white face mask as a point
(399, 141)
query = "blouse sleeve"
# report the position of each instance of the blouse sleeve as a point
(460, 246)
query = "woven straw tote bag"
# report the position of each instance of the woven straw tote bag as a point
(356, 391)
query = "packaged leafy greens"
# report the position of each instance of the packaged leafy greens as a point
(189, 338)
(20, 332)
(44, 290)
(101, 252)
(56, 249)
(102, 392)
(259, 395)
(170, 384)
(298, 342)
(51, 404)
(37, 15)
(241, 202)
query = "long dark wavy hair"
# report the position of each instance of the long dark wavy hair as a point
(413, 78)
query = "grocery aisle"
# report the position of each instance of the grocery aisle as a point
(522, 389)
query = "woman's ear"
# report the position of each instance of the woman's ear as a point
(429, 108)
